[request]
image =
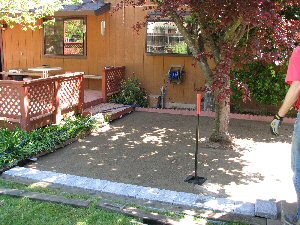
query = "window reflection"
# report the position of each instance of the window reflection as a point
(164, 37)
(65, 37)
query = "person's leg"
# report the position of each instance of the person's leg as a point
(295, 160)
(295, 163)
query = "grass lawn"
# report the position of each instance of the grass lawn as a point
(24, 211)
(14, 211)
(20, 211)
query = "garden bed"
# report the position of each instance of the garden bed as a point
(20, 147)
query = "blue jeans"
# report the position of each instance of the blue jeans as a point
(296, 160)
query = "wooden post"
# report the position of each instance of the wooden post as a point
(81, 95)
(57, 110)
(104, 86)
(199, 98)
(24, 108)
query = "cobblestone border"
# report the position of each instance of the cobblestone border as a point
(147, 193)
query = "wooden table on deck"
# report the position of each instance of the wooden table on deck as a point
(21, 74)
(45, 70)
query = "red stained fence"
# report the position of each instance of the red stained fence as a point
(36, 103)
(111, 81)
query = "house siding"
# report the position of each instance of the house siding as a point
(120, 45)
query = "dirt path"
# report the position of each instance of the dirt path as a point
(157, 150)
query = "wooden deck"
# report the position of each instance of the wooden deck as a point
(92, 98)
(40, 102)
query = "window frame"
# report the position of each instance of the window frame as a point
(164, 53)
(84, 56)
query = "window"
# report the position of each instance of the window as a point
(164, 38)
(65, 37)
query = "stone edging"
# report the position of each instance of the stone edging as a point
(261, 208)
(212, 114)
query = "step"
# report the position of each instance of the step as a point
(110, 110)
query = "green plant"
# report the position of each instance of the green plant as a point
(266, 83)
(12, 138)
(75, 30)
(131, 94)
(18, 145)
(181, 48)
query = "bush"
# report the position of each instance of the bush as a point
(131, 94)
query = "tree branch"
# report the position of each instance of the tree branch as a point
(239, 34)
(194, 48)
(230, 32)
(215, 50)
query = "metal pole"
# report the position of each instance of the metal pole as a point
(197, 142)
(195, 179)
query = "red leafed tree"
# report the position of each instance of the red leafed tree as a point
(228, 32)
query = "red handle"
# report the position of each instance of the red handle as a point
(199, 98)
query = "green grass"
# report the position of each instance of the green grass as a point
(51, 191)
(19, 211)
(25, 211)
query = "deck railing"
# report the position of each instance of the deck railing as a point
(111, 81)
(36, 103)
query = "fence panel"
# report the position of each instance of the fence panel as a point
(69, 92)
(40, 102)
(10, 99)
(112, 79)
(41, 98)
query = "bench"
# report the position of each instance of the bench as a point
(92, 78)
(95, 77)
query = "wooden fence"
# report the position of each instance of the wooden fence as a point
(40, 102)
(111, 81)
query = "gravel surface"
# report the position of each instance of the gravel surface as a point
(157, 150)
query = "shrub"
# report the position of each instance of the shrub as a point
(266, 83)
(10, 139)
(131, 94)
(18, 145)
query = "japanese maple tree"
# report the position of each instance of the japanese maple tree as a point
(228, 33)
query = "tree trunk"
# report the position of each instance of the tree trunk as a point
(222, 100)
(220, 133)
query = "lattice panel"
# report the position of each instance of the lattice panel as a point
(41, 98)
(9, 101)
(73, 48)
(69, 92)
(114, 78)
(73, 45)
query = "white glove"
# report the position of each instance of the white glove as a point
(275, 124)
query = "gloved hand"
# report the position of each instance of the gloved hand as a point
(275, 124)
